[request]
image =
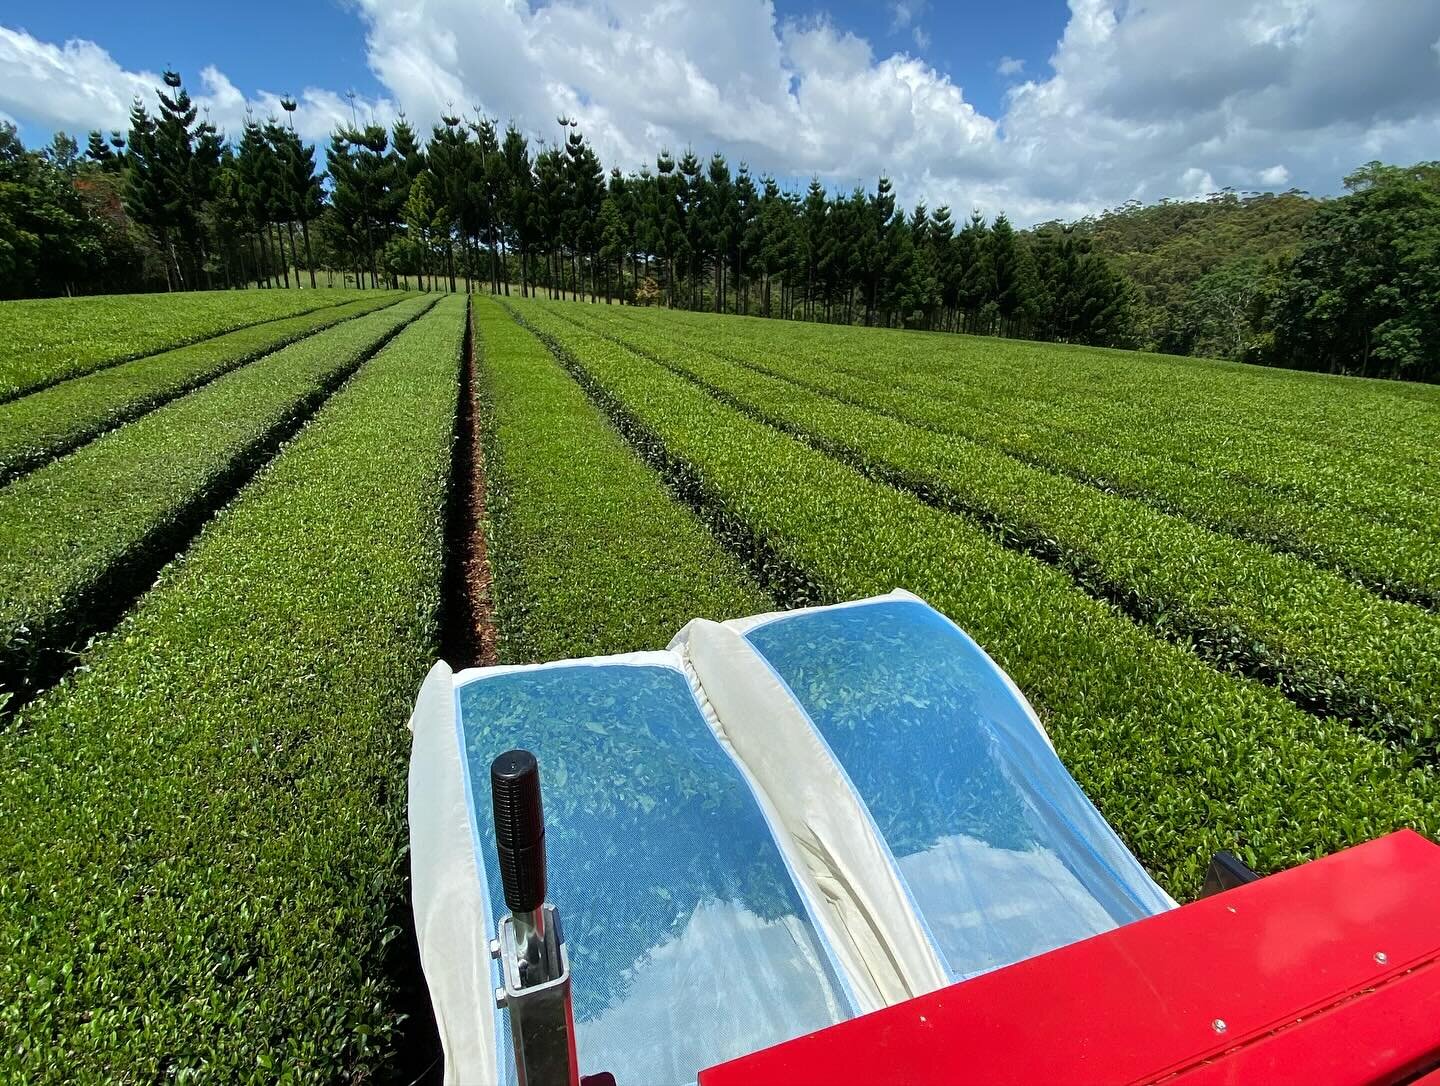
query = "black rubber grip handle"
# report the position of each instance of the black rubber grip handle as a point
(519, 828)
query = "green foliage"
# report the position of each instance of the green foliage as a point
(1363, 293)
(1328, 643)
(54, 420)
(591, 556)
(204, 856)
(62, 226)
(76, 534)
(1165, 249)
(1340, 473)
(1181, 758)
(45, 341)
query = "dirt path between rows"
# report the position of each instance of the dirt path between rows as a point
(469, 638)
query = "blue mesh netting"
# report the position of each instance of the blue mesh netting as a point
(688, 943)
(1003, 853)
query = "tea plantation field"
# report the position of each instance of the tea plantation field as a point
(235, 531)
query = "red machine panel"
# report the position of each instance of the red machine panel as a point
(1328, 973)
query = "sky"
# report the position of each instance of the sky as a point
(1038, 108)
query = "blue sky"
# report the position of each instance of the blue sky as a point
(1097, 101)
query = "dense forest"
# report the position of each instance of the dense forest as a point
(1346, 285)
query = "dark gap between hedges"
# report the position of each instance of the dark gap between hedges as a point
(113, 362)
(1395, 591)
(1225, 648)
(467, 639)
(467, 625)
(24, 465)
(57, 647)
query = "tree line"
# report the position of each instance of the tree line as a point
(1348, 285)
(173, 203)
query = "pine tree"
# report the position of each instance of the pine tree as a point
(876, 243)
(550, 198)
(945, 260)
(977, 274)
(747, 232)
(303, 189)
(145, 185)
(692, 198)
(719, 214)
(518, 200)
(98, 151)
(586, 191)
(257, 173)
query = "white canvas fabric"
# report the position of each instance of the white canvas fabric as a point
(842, 860)
(452, 912)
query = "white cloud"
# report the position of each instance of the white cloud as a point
(1274, 176)
(1196, 183)
(1010, 66)
(904, 13)
(1169, 98)
(921, 38)
(78, 86)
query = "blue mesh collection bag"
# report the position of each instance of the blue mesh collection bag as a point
(688, 942)
(1003, 854)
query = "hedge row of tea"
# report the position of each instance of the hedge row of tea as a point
(45, 424)
(590, 554)
(77, 535)
(1276, 427)
(1218, 458)
(1183, 759)
(205, 836)
(1328, 643)
(52, 339)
